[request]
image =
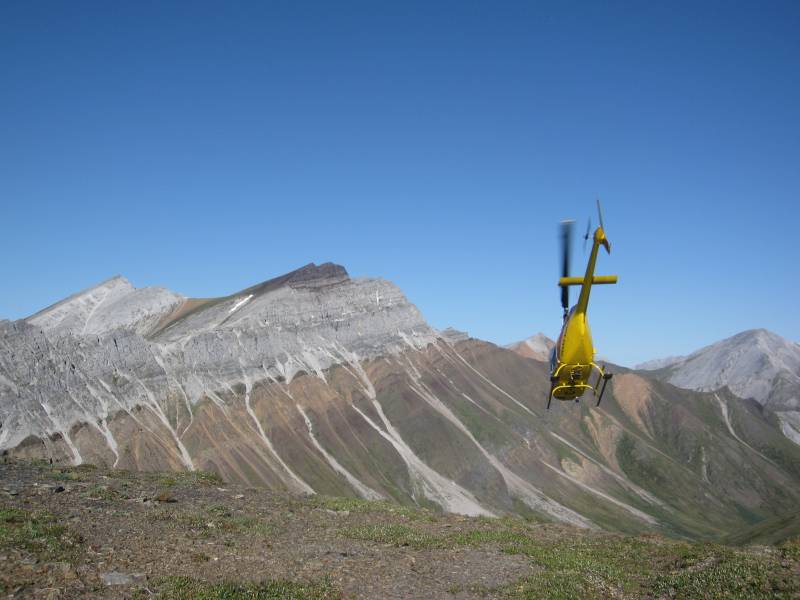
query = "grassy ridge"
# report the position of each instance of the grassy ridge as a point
(591, 566)
(187, 588)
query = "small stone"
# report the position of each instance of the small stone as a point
(238, 497)
(116, 578)
(67, 572)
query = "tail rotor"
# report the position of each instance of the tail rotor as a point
(586, 235)
(600, 215)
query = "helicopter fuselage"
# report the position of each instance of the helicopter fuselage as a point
(573, 357)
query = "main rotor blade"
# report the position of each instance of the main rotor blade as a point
(566, 241)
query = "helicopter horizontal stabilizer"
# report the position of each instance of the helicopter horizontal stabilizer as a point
(596, 280)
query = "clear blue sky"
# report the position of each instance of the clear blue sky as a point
(207, 146)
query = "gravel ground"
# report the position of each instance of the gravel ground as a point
(84, 532)
(126, 530)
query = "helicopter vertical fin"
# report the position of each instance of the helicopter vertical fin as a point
(598, 240)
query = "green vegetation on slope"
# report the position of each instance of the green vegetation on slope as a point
(38, 534)
(187, 588)
(589, 566)
(769, 531)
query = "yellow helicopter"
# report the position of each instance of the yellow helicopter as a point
(572, 359)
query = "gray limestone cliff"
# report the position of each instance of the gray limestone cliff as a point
(114, 347)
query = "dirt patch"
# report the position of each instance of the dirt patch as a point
(633, 396)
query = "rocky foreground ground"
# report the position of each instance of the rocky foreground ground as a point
(86, 532)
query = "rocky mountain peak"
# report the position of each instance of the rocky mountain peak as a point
(73, 313)
(314, 275)
(756, 363)
(113, 304)
(537, 346)
(84, 298)
(308, 276)
(748, 363)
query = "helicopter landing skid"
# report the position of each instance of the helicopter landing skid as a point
(553, 382)
(606, 377)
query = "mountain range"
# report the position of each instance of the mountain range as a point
(318, 383)
(756, 364)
